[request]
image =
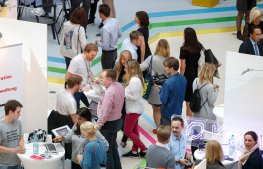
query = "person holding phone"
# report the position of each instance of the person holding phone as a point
(209, 91)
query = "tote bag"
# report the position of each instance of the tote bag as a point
(148, 82)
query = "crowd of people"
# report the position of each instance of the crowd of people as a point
(121, 104)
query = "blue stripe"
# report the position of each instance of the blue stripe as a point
(148, 119)
(55, 59)
(184, 12)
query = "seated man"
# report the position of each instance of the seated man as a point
(66, 103)
(158, 155)
(177, 143)
(11, 136)
(251, 45)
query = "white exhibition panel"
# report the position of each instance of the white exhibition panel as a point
(35, 94)
(11, 74)
(243, 93)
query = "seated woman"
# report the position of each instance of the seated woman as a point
(214, 155)
(95, 152)
(251, 158)
(79, 141)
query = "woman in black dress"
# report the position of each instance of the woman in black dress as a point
(255, 19)
(142, 19)
(189, 56)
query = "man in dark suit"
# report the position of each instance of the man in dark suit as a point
(251, 45)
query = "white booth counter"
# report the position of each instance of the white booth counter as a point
(54, 162)
(219, 112)
(229, 164)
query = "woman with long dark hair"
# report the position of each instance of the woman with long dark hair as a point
(75, 137)
(189, 56)
(142, 19)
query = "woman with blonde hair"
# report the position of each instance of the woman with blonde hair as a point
(134, 107)
(124, 57)
(208, 91)
(214, 155)
(95, 152)
(255, 19)
(162, 52)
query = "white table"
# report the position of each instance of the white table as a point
(200, 155)
(52, 163)
(219, 112)
(92, 95)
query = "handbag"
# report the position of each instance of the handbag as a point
(210, 58)
(148, 82)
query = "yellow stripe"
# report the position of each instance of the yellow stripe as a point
(55, 80)
(165, 35)
(203, 31)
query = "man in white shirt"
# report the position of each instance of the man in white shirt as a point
(110, 33)
(80, 65)
(131, 44)
(66, 103)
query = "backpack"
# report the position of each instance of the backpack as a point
(67, 45)
(195, 103)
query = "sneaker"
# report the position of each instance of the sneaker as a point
(143, 153)
(154, 131)
(131, 154)
(123, 144)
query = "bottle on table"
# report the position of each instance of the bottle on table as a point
(232, 147)
(35, 144)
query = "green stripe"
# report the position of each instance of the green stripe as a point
(159, 25)
(141, 164)
(192, 22)
(98, 59)
(56, 70)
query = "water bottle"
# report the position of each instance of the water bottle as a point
(35, 145)
(232, 145)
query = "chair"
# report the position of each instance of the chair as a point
(48, 19)
(201, 165)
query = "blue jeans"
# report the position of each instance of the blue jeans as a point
(109, 131)
(11, 167)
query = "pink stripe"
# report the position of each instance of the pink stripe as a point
(148, 136)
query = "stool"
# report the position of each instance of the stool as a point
(205, 3)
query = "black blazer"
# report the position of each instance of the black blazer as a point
(247, 47)
(254, 161)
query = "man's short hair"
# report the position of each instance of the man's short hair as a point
(91, 46)
(104, 9)
(110, 73)
(12, 105)
(252, 28)
(134, 35)
(179, 119)
(163, 133)
(171, 62)
(74, 80)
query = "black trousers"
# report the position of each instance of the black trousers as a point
(108, 59)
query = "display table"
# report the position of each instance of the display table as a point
(52, 163)
(200, 155)
(92, 95)
(219, 112)
(205, 3)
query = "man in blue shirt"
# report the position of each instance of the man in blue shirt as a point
(172, 92)
(177, 143)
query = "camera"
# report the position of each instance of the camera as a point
(188, 165)
(159, 79)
